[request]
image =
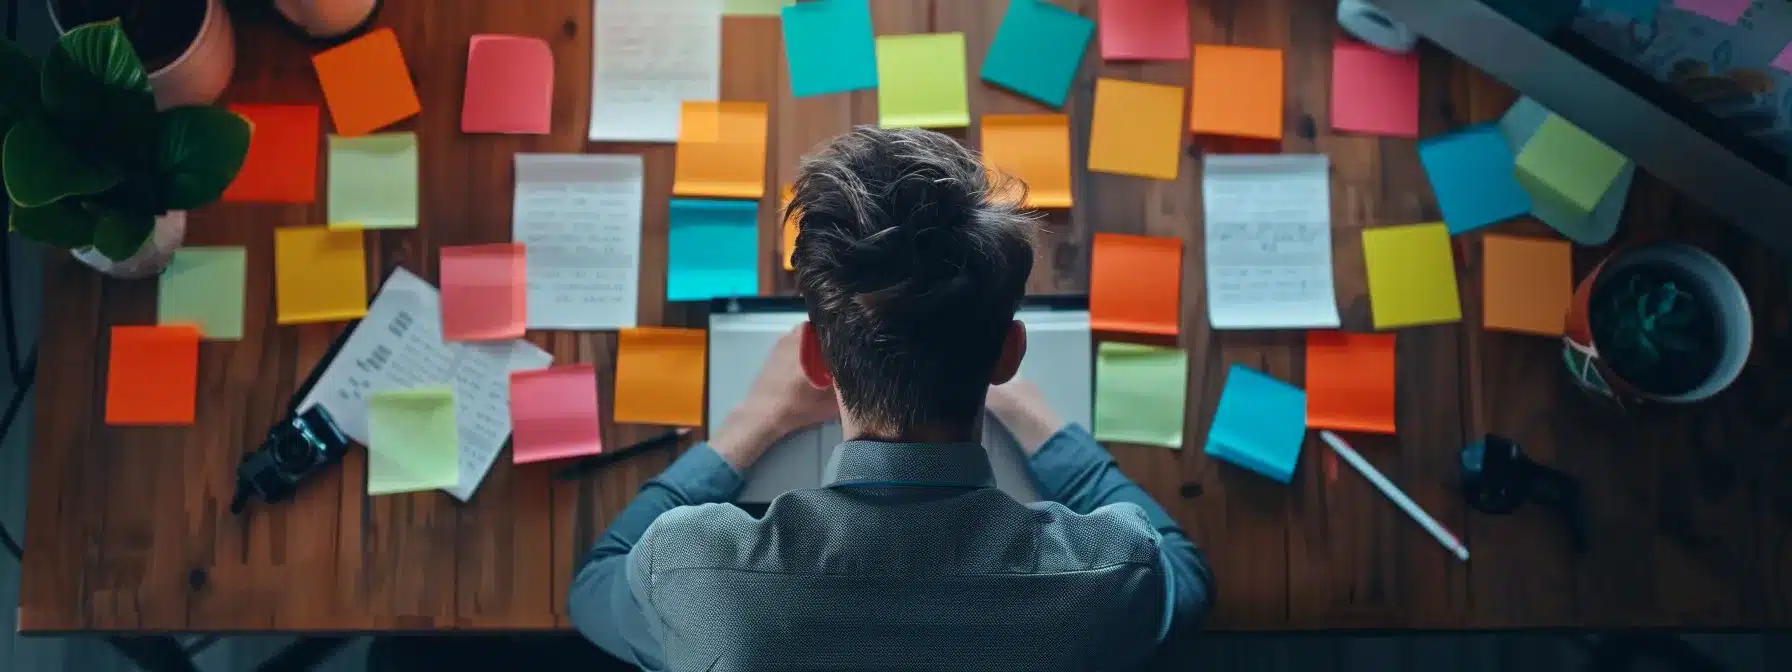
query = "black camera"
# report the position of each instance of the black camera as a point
(299, 447)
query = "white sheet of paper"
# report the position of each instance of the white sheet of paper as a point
(579, 215)
(1269, 242)
(399, 344)
(651, 56)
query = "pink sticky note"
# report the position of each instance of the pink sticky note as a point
(553, 414)
(483, 292)
(510, 85)
(1727, 11)
(1374, 92)
(1144, 30)
(1784, 60)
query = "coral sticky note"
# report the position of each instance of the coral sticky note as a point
(510, 85)
(1526, 284)
(152, 375)
(721, 150)
(1259, 424)
(1412, 275)
(373, 181)
(366, 83)
(1350, 381)
(1135, 284)
(1471, 172)
(1034, 148)
(1722, 11)
(829, 47)
(1374, 92)
(1137, 129)
(1144, 30)
(659, 376)
(921, 81)
(553, 414)
(484, 292)
(1037, 49)
(320, 275)
(203, 286)
(281, 166)
(1237, 92)
(413, 440)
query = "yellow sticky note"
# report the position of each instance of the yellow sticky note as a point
(790, 229)
(413, 441)
(921, 81)
(659, 376)
(320, 275)
(1137, 129)
(1412, 275)
(1034, 148)
(721, 150)
(373, 181)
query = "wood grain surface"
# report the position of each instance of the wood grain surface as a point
(1691, 508)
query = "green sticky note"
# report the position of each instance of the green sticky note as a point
(1037, 49)
(920, 81)
(203, 286)
(1140, 392)
(1565, 166)
(373, 181)
(754, 7)
(413, 440)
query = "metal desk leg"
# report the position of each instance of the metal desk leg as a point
(161, 653)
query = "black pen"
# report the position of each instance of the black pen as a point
(602, 460)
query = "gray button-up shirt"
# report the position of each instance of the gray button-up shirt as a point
(910, 559)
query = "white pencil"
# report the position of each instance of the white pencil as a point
(1399, 498)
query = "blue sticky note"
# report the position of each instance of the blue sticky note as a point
(1036, 50)
(1471, 173)
(1640, 10)
(1260, 424)
(712, 249)
(829, 47)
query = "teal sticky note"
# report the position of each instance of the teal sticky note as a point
(829, 47)
(1471, 174)
(1037, 49)
(712, 249)
(1140, 393)
(1260, 424)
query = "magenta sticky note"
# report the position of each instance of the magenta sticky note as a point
(1727, 11)
(1784, 60)
(1374, 92)
(510, 85)
(1143, 30)
(553, 414)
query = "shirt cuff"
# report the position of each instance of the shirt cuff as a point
(1069, 454)
(702, 476)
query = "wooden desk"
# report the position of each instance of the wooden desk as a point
(1691, 509)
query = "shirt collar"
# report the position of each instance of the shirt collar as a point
(963, 465)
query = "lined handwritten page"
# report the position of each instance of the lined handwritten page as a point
(1269, 242)
(650, 56)
(579, 215)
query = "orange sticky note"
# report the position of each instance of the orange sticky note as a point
(1527, 284)
(1135, 284)
(1035, 148)
(1350, 381)
(483, 292)
(281, 166)
(790, 229)
(152, 375)
(366, 83)
(1237, 92)
(510, 85)
(659, 376)
(721, 150)
(553, 414)
(1137, 129)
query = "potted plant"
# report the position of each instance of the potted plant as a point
(92, 166)
(185, 45)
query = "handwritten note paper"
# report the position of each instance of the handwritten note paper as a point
(1137, 129)
(414, 442)
(721, 150)
(320, 275)
(152, 375)
(1037, 49)
(366, 83)
(483, 292)
(1471, 174)
(1140, 393)
(1259, 424)
(1269, 242)
(659, 376)
(203, 286)
(399, 345)
(281, 166)
(921, 81)
(1237, 92)
(650, 56)
(1033, 148)
(510, 85)
(1135, 284)
(554, 414)
(1412, 275)
(1144, 30)
(1350, 381)
(1527, 284)
(712, 249)
(373, 181)
(829, 47)
(579, 216)
(1374, 91)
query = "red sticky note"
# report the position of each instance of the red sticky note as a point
(1350, 381)
(1374, 92)
(281, 166)
(1144, 30)
(510, 85)
(553, 414)
(483, 292)
(152, 375)
(366, 83)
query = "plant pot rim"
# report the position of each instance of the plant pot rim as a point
(211, 14)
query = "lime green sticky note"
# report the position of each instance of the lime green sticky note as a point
(1412, 275)
(1565, 166)
(413, 440)
(203, 286)
(921, 81)
(1140, 392)
(754, 7)
(373, 181)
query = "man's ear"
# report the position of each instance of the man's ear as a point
(815, 366)
(1014, 348)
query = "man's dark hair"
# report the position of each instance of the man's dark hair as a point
(912, 259)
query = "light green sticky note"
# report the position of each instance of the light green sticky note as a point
(754, 7)
(921, 81)
(413, 440)
(203, 286)
(1140, 392)
(373, 181)
(1564, 165)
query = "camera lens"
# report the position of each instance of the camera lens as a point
(295, 454)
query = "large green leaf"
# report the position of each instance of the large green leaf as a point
(119, 234)
(19, 92)
(96, 95)
(61, 224)
(201, 151)
(40, 168)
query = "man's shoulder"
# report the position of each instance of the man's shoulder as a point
(1114, 534)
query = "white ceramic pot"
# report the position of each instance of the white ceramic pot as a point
(201, 72)
(327, 19)
(149, 261)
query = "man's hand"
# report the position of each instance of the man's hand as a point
(1020, 407)
(781, 401)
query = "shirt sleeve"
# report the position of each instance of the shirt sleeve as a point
(603, 604)
(1073, 470)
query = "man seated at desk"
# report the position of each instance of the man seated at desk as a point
(912, 261)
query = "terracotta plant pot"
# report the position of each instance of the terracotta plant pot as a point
(152, 259)
(328, 20)
(186, 45)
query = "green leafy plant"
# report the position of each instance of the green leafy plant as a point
(88, 161)
(1655, 333)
